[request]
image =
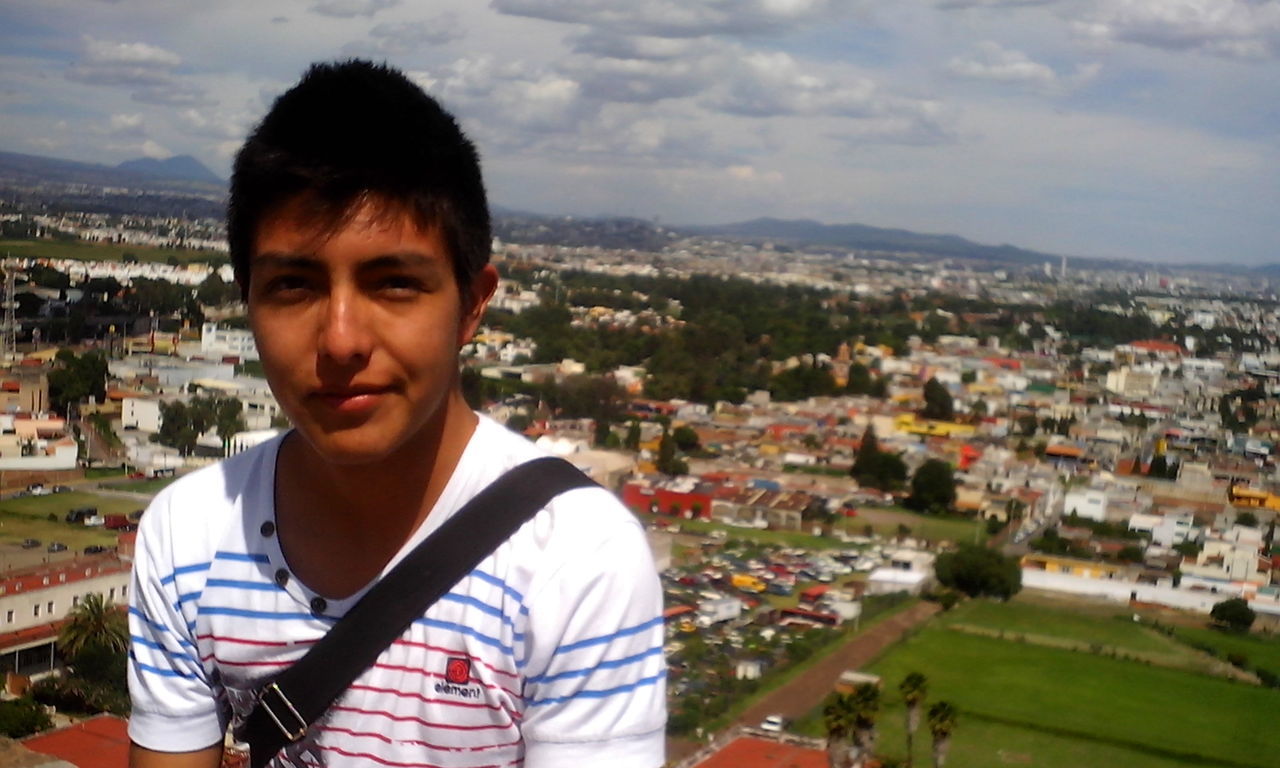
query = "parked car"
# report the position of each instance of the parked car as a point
(37, 489)
(30, 543)
(80, 514)
(57, 546)
(61, 488)
(94, 549)
(774, 724)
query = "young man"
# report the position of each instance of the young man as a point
(360, 236)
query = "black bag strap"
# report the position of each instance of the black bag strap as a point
(295, 698)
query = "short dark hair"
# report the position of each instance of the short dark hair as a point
(353, 129)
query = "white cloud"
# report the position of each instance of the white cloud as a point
(410, 36)
(145, 69)
(126, 125)
(136, 54)
(349, 9)
(155, 151)
(992, 62)
(676, 18)
(958, 4)
(1228, 28)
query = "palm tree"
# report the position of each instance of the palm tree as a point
(914, 687)
(942, 721)
(866, 703)
(94, 622)
(839, 717)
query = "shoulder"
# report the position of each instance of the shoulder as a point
(192, 512)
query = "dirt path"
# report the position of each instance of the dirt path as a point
(805, 692)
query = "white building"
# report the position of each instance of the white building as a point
(140, 413)
(218, 342)
(33, 600)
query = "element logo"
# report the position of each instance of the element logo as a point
(458, 671)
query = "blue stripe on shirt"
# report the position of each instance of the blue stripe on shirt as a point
(215, 610)
(625, 632)
(144, 642)
(601, 694)
(157, 670)
(241, 557)
(160, 628)
(185, 569)
(465, 630)
(261, 586)
(499, 583)
(611, 664)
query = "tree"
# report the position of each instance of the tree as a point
(215, 291)
(933, 488)
(22, 717)
(978, 571)
(875, 468)
(839, 718)
(1233, 615)
(942, 721)
(686, 438)
(77, 378)
(937, 401)
(914, 687)
(632, 441)
(667, 462)
(93, 622)
(858, 381)
(1247, 519)
(866, 707)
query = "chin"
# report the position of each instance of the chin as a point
(351, 447)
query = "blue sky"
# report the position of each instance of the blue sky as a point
(1118, 128)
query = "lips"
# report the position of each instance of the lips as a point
(350, 399)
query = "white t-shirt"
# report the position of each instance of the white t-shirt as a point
(548, 654)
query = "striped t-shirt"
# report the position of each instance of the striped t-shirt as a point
(549, 653)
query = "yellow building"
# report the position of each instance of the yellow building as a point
(909, 424)
(1071, 566)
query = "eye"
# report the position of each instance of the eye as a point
(400, 286)
(285, 286)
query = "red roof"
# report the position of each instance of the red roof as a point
(65, 572)
(99, 742)
(763, 753)
(1155, 345)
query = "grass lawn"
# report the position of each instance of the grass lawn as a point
(1030, 705)
(152, 485)
(94, 473)
(1261, 650)
(885, 523)
(86, 251)
(1107, 626)
(27, 518)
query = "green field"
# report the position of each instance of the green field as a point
(885, 522)
(1030, 705)
(28, 518)
(1104, 628)
(1260, 650)
(151, 486)
(85, 251)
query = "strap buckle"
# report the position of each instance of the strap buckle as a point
(291, 711)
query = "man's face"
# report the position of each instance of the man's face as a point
(358, 329)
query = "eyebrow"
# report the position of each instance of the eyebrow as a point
(285, 260)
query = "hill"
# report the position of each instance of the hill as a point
(181, 167)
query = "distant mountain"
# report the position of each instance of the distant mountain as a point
(866, 238)
(37, 171)
(179, 167)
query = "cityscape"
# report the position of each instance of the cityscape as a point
(1012, 480)
(934, 345)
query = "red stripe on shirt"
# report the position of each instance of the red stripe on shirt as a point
(451, 652)
(417, 742)
(382, 761)
(420, 721)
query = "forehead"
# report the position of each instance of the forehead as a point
(305, 225)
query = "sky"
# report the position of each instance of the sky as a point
(1143, 129)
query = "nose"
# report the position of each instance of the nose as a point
(345, 337)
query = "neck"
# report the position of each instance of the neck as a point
(362, 514)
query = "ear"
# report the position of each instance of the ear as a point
(476, 300)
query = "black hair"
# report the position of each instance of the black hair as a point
(353, 129)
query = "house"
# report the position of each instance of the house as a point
(34, 601)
